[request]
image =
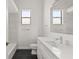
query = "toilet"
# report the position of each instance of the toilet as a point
(34, 48)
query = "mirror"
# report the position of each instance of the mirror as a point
(60, 20)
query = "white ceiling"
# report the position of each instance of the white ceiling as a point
(23, 3)
(59, 3)
(12, 8)
(63, 4)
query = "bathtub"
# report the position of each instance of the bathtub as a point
(10, 50)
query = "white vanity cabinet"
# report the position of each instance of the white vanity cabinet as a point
(43, 52)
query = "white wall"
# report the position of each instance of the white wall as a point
(6, 21)
(12, 27)
(28, 34)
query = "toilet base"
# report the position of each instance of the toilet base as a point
(34, 52)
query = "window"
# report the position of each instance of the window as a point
(57, 17)
(26, 16)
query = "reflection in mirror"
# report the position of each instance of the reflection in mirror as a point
(56, 16)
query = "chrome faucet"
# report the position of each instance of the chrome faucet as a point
(60, 39)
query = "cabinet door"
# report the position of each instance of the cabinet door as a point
(44, 52)
(39, 54)
(39, 51)
(47, 54)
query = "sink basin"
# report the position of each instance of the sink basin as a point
(52, 43)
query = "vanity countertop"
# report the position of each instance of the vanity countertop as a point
(62, 52)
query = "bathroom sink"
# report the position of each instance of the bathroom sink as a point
(52, 43)
(57, 42)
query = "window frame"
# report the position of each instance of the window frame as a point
(25, 17)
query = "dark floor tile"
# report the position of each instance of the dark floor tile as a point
(34, 56)
(24, 54)
(22, 57)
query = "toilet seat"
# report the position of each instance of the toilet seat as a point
(34, 48)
